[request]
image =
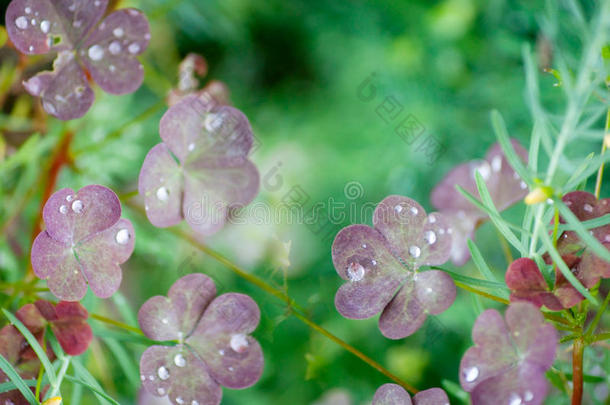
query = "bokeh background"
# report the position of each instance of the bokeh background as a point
(298, 70)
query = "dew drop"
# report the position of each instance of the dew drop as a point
(134, 48)
(432, 219)
(523, 185)
(114, 47)
(430, 237)
(165, 321)
(63, 209)
(96, 52)
(588, 207)
(231, 369)
(496, 163)
(355, 271)
(194, 402)
(515, 400)
(364, 246)
(142, 377)
(112, 68)
(28, 10)
(122, 236)
(471, 374)
(415, 251)
(162, 194)
(191, 147)
(77, 206)
(69, 198)
(163, 373)
(528, 396)
(179, 360)
(45, 26)
(161, 391)
(118, 32)
(21, 22)
(179, 400)
(31, 49)
(239, 343)
(516, 176)
(398, 208)
(212, 122)
(374, 262)
(484, 170)
(428, 290)
(77, 23)
(221, 352)
(414, 210)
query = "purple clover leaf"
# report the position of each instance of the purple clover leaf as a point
(108, 50)
(526, 283)
(212, 173)
(585, 264)
(381, 265)
(85, 241)
(393, 394)
(505, 187)
(507, 365)
(214, 344)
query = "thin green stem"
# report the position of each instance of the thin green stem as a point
(600, 173)
(118, 324)
(577, 370)
(65, 363)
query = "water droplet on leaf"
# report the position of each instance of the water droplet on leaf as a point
(471, 374)
(163, 373)
(430, 237)
(21, 22)
(63, 209)
(239, 343)
(162, 194)
(96, 52)
(77, 206)
(179, 360)
(415, 251)
(122, 236)
(355, 271)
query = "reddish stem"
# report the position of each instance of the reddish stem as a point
(577, 373)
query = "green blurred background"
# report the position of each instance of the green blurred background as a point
(295, 68)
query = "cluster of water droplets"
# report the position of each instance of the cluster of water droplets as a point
(76, 206)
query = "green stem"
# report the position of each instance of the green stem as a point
(577, 370)
(65, 363)
(600, 173)
(118, 324)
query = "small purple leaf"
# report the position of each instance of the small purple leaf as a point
(391, 394)
(509, 360)
(110, 51)
(362, 257)
(65, 91)
(85, 240)
(180, 375)
(432, 396)
(234, 358)
(214, 174)
(175, 317)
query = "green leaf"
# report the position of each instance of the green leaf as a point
(97, 390)
(589, 224)
(478, 260)
(495, 216)
(125, 361)
(564, 268)
(42, 356)
(456, 391)
(589, 167)
(475, 282)
(90, 382)
(19, 383)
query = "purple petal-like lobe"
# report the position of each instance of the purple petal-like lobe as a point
(179, 374)
(432, 396)
(71, 216)
(101, 254)
(234, 358)
(175, 317)
(210, 193)
(40, 26)
(418, 239)
(161, 184)
(431, 292)
(65, 92)
(362, 257)
(55, 262)
(509, 360)
(109, 53)
(391, 394)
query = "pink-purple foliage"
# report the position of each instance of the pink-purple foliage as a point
(107, 50)
(380, 265)
(393, 394)
(503, 183)
(201, 169)
(508, 363)
(85, 242)
(214, 344)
